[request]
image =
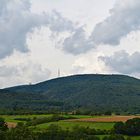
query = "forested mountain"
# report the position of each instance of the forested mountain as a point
(98, 93)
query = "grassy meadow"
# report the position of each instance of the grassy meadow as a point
(70, 125)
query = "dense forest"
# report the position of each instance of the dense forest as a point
(92, 93)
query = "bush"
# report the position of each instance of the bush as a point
(3, 125)
(130, 127)
(22, 119)
(114, 137)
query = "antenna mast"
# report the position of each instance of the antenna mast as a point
(58, 73)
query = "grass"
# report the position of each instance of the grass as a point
(80, 116)
(70, 125)
(133, 137)
(11, 118)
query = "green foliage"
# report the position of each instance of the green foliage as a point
(22, 119)
(41, 120)
(21, 132)
(3, 125)
(69, 125)
(55, 132)
(119, 128)
(114, 137)
(2, 135)
(130, 127)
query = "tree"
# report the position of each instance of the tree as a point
(130, 127)
(119, 128)
(3, 125)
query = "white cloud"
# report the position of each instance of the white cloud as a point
(23, 73)
(20, 68)
(123, 62)
(88, 63)
(123, 19)
(17, 21)
(78, 42)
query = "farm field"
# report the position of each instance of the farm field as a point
(12, 118)
(70, 125)
(106, 119)
(77, 118)
(96, 122)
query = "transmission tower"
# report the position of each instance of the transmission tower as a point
(59, 73)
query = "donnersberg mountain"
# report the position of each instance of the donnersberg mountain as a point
(94, 92)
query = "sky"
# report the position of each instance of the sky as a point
(40, 37)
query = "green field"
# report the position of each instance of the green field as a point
(70, 125)
(63, 124)
(11, 118)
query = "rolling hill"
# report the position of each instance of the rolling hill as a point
(95, 92)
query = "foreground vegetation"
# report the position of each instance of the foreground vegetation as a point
(54, 132)
(69, 125)
(56, 127)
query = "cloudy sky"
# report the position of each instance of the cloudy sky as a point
(38, 37)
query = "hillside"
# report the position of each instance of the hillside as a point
(98, 93)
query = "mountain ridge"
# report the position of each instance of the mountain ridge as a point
(95, 92)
